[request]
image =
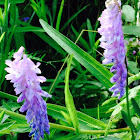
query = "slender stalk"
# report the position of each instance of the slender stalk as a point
(66, 128)
(61, 127)
(58, 74)
(84, 30)
(127, 101)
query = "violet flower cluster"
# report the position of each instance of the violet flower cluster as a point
(112, 40)
(23, 73)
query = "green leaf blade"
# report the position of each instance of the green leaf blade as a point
(100, 72)
(12, 1)
(69, 99)
(60, 15)
(136, 107)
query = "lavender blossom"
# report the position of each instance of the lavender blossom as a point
(112, 41)
(23, 73)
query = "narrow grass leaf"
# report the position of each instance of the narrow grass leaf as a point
(36, 11)
(54, 110)
(67, 117)
(72, 17)
(12, 1)
(136, 9)
(8, 96)
(1, 37)
(59, 15)
(1, 115)
(5, 56)
(91, 38)
(35, 4)
(16, 128)
(69, 99)
(54, 8)
(58, 80)
(136, 107)
(6, 106)
(51, 42)
(125, 117)
(1, 18)
(49, 14)
(100, 72)
(29, 29)
(81, 39)
(43, 7)
(103, 109)
(5, 126)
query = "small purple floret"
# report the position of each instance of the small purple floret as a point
(25, 19)
(23, 73)
(134, 52)
(112, 40)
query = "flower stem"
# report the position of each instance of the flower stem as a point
(57, 126)
(61, 127)
(127, 101)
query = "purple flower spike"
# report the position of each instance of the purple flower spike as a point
(23, 73)
(112, 40)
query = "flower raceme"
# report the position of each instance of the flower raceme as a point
(112, 40)
(23, 73)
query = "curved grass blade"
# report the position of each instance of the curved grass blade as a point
(69, 99)
(1, 115)
(12, 1)
(84, 120)
(72, 17)
(59, 15)
(91, 37)
(83, 41)
(93, 66)
(5, 56)
(5, 126)
(53, 110)
(136, 107)
(1, 37)
(54, 7)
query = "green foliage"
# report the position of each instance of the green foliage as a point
(12, 1)
(136, 107)
(128, 13)
(82, 85)
(131, 30)
(101, 73)
(108, 138)
(59, 15)
(69, 99)
(133, 93)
